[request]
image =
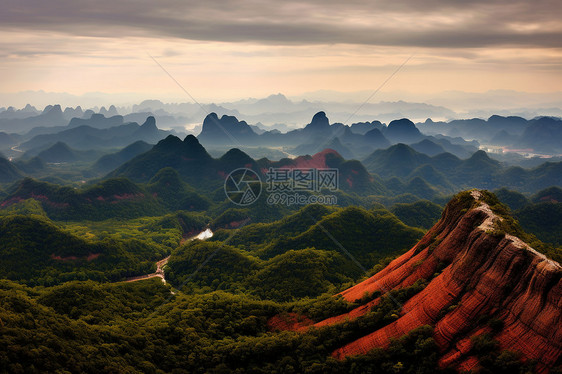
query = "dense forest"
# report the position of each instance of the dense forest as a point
(62, 309)
(70, 250)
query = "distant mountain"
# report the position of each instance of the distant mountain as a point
(355, 141)
(428, 176)
(188, 157)
(417, 186)
(70, 113)
(398, 160)
(352, 174)
(376, 139)
(273, 103)
(279, 109)
(25, 112)
(432, 176)
(449, 173)
(30, 166)
(111, 111)
(479, 169)
(538, 178)
(333, 143)
(88, 137)
(97, 121)
(543, 135)
(455, 145)
(8, 140)
(402, 131)
(364, 127)
(343, 150)
(226, 130)
(229, 131)
(538, 134)
(196, 167)
(51, 116)
(428, 147)
(319, 123)
(59, 152)
(111, 161)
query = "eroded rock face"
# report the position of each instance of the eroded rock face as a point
(485, 274)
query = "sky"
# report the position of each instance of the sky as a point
(228, 50)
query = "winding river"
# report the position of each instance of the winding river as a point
(203, 235)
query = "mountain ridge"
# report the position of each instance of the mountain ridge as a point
(486, 272)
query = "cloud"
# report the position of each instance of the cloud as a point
(433, 23)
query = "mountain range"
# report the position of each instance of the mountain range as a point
(355, 141)
(401, 168)
(398, 170)
(98, 132)
(538, 135)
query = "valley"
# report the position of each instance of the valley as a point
(281, 187)
(129, 255)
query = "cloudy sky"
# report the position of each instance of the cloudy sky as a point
(222, 50)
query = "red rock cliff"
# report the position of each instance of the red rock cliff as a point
(486, 274)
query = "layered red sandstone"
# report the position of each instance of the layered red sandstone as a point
(486, 274)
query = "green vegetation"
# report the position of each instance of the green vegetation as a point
(174, 194)
(367, 237)
(552, 194)
(65, 308)
(541, 215)
(510, 225)
(544, 220)
(38, 251)
(423, 214)
(225, 266)
(96, 303)
(315, 250)
(110, 198)
(513, 199)
(35, 251)
(8, 172)
(494, 360)
(202, 267)
(251, 236)
(87, 327)
(164, 232)
(24, 207)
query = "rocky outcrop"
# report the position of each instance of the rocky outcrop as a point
(486, 273)
(402, 131)
(226, 130)
(319, 123)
